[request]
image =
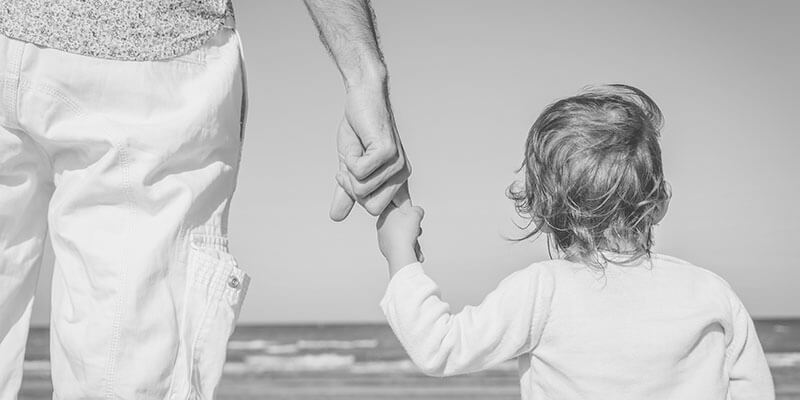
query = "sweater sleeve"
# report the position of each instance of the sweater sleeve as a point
(508, 323)
(749, 374)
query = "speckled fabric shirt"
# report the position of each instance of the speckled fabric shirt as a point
(117, 29)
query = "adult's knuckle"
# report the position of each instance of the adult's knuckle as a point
(388, 149)
(373, 208)
(360, 171)
(361, 190)
(377, 203)
(349, 190)
(396, 167)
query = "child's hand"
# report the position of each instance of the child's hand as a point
(398, 230)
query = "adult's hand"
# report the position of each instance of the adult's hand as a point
(372, 163)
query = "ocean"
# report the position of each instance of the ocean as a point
(358, 361)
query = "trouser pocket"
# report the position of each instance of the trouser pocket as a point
(216, 288)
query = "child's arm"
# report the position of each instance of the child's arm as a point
(506, 324)
(750, 378)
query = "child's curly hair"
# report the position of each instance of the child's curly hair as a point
(593, 178)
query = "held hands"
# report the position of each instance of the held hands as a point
(372, 162)
(373, 171)
(398, 230)
(373, 168)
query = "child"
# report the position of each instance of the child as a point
(608, 319)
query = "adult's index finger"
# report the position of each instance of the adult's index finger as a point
(363, 164)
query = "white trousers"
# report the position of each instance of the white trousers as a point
(131, 167)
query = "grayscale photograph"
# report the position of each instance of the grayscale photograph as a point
(399, 200)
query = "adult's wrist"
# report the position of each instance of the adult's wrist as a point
(370, 75)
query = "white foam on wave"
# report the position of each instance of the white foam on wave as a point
(337, 344)
(781, 328)
(383, 367)
(783, 360)
(272, 347)
(250, 344)
(330, 362)
(37, 366)
(406, 366)
(347, 363)
(269, 363)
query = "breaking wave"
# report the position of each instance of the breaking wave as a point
(329, 362)
(265, 363)
(273, 347)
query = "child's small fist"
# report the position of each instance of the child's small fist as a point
(398, 230)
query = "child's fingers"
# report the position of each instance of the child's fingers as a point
(418, 214)
(418, 252)
(417, 247)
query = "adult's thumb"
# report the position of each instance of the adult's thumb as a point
(341, 205)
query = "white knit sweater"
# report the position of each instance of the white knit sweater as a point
(663, 329)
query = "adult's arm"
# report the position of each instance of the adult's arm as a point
(372, 164)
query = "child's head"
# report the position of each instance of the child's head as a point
(593, 175)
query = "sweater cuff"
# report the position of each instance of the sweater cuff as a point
(402, 276)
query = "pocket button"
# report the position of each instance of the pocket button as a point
(233, 282)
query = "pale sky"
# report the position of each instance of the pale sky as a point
(468, 78)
